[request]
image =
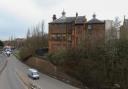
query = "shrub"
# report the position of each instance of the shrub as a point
(57, 57)
(25, 53)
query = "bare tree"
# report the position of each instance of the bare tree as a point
(36, 39)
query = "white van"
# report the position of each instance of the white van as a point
(33, 73)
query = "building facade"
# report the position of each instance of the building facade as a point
(95, 30)
(69, 32)
(65, 32)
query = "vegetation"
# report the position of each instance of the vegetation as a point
(16, 53)
(1, 44)
(98, 67)
(34, 40)
(102, 65)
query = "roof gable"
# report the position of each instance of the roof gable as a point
(94, 20)
(80, 20)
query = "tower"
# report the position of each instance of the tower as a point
(63, 14)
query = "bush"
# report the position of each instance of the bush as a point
(97, 67)
(1, 44)
(57, 57)
(25, 53)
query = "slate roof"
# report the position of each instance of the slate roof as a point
(94, 20)
(77, 20)
(80, 19)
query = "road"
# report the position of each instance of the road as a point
(8, 77)
(11, 76)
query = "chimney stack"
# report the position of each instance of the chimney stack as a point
(76, 14)
(54, 17)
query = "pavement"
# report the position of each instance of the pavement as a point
(15, 72)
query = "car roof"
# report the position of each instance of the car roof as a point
(33, 70)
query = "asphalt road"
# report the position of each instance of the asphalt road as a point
(9, 79)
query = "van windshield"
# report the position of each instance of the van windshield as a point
(35, 73)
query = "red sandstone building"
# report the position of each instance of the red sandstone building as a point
(68, 32)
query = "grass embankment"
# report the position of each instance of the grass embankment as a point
(47, 68)
(16, 54)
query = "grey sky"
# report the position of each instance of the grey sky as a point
(16, 16)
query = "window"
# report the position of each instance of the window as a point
(63, 36)
(69, 37)
(58, 36)
(53, 36)
(90, 28)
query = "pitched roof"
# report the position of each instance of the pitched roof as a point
(64, 20)
(77, 20)
(95, 20)
(80, 19)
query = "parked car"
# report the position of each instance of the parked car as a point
(33, 73)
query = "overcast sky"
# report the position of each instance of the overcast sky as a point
(16, 16)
